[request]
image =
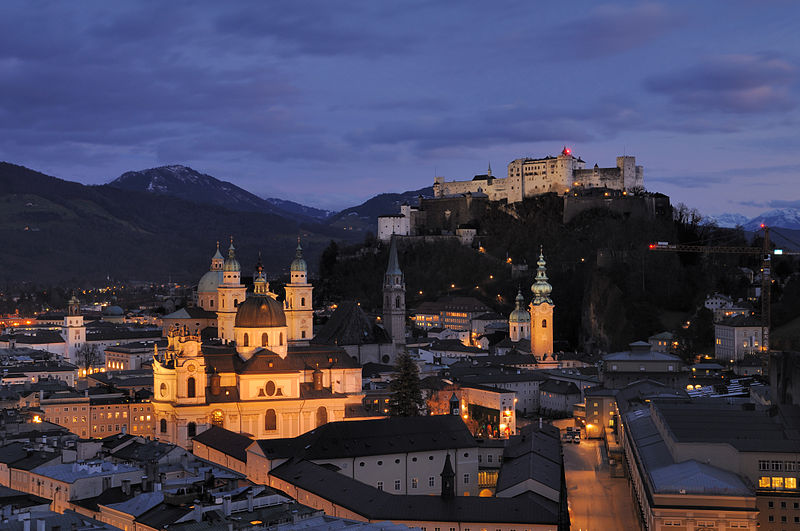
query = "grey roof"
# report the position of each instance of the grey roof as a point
(559, 387)
(226, 441)
(454, 345)
(642, 355)
(139, 504)
(375, 504)
(715, 421)
(71, 472)
(740, 321)
(349, 325)
(534, 454)
(668, 477)
(374, 437)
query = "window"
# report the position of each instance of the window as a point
(397, 484)
(466, 479)
(270, 420)
(414, 483)
(191, 429)
(270, 388)
(322, 415)
(544, 323)
(763, 482)
(163, 425)
(489, 458)
(246, 340)
(380, 485)
(302, 301)
(280, 339)
(397, 302)
(189, 386)
(791, 483)
(776, 466)
(303, 334)
(218, 418)
(777, 482)
(763, 465)
(432, 481)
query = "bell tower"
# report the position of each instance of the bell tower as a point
(298, 304)
(394, 298)
(231, 294)
(541, 313)
(73, 329)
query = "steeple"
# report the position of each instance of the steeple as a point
(489, 171)
(217, 260)
(394, 298)
(394, 266)
(231, 263)
(541, 288)
(298, 264)
(448, 479)
(260, 284)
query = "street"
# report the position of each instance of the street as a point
(597, 501)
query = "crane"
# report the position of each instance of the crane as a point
(766, 253)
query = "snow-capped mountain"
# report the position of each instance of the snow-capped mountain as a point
(188, 184)
(787, 218)
(727, 220)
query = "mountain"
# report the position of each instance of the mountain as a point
(60, 231)
(191, 185)
(364, 217)
(293, 208)
(787, 218)
(727, 220)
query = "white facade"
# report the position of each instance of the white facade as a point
(732, 343)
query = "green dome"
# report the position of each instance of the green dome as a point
(231, 263)
(298, 264)
(520, 314)
(209, 282)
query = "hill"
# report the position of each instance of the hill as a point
(363, 218)
(56, 231)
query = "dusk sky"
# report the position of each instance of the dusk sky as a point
(328, 103)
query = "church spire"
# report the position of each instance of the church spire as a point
(541, 288)
(260, 284)
(394, 266)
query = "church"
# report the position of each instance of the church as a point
(261, 377)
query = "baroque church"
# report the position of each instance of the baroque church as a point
(262, 376)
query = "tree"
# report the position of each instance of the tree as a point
(87, 355)
(406, 399)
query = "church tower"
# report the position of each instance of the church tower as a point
(541, 313)
(73, 329)
(394, 299)
(519, 322)
(297, 306)
(231, 292)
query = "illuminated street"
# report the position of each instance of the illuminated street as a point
(597, 501)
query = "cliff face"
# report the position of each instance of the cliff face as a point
(603, 316)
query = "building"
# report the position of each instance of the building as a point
(527, 177)
(622, 368)
(455, 313)
(663, 342)
(558, 398)
(132, 356)
(737, 337)
(98, 414)
(402, 224)
(394, 299)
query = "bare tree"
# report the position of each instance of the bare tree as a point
(87, 355)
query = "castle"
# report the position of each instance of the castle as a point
(528, 177)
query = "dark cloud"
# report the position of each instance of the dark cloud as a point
(780, 203)
(742, 83)
(610, 30)
(687, 181)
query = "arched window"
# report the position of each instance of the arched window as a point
(397, 302)
(211, 303)
(270, 420)
(264, 339)
(217, 418)
(302, 301)
(544, 323)
(163, 425)
(280, 339)
(190, 387)
(246, 340)
(322, 415)
(235, 303)
(191, 429)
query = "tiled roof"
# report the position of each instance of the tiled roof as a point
(226, 441)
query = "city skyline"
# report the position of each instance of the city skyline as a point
(358, 99)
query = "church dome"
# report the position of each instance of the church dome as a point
(298, 264)
(231, 263)
(541, 288)
(520, 314)
(260, 311)
(209, 282)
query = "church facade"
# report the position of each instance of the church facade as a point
(260, 377)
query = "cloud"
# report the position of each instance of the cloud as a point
(738, 84)
(781, 203)
(610, 30)
(687, 181)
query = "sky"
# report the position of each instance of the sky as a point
(328, 103)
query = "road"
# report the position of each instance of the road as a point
(597, 501)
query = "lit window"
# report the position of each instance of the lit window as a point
(791, 483)
(763, 482)
(777, 482)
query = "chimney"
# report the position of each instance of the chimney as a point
(250, 504)
(26, 524)
(215, 384)
(317, 376)
(126, 487)
(41, 395)
(41, 525)
(226, 505)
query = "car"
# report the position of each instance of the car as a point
(576, 438)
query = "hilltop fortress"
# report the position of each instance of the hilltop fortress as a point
(528, 177)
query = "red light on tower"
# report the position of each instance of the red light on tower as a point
(566, 151)
(763, 225)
